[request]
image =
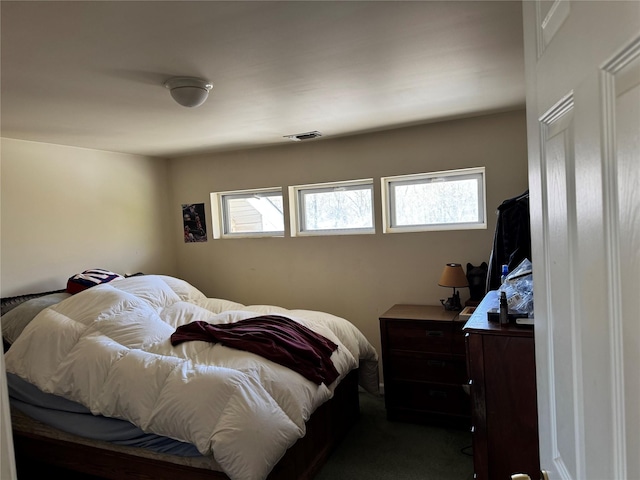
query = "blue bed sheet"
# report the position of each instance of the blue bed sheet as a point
(74, 418)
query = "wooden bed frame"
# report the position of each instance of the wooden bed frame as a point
(36, 454)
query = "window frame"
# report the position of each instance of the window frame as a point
(219, 201)
(296, 207)
(388, 200)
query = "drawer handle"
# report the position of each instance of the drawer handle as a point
(437, 363)
(435, 333)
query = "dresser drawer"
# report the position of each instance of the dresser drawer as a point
(445, 399)
(420, 336)
(405, 365)
(458, 345)
(424, 365)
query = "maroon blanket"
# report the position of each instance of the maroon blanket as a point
(276, 338)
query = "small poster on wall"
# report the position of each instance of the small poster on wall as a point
(195, 225)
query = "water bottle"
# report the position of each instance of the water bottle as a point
(505, 272)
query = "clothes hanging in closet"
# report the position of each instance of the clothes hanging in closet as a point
(512, 239)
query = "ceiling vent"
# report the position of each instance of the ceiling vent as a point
(304, 136)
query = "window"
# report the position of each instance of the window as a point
(449, 200)
(248, 213)
(332, 208)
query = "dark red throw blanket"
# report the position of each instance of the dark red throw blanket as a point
(276, 338)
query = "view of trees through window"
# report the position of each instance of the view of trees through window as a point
(338, 208)
(452, 199)
(436, 201)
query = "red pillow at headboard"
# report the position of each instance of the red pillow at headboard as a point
(90, 278)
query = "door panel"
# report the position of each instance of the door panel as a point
(583, 115)
(556, 128)
(620, 93)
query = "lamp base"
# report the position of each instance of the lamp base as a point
(453, 303)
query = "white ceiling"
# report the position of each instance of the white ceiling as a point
(90, 74)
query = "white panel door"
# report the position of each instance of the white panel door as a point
(583, 119)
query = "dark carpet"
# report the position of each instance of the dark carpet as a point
(376, 449)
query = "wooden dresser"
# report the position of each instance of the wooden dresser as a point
(504, 414)
(424, 365)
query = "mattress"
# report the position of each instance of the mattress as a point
(75, 419)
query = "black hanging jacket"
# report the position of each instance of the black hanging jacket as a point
(512, 239)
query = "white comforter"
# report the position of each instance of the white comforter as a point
(108, 348)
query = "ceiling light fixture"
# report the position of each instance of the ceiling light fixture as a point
(189, 91)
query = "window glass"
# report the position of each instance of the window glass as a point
(249, 213)
(453, 199)
(333, 209)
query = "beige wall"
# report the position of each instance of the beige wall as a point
(360, 276)
(67, 209)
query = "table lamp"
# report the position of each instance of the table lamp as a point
(453, 276)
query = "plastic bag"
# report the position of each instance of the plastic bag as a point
(518, 286)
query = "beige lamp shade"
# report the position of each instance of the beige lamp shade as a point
(453, 276)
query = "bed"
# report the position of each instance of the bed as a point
(171, 406)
